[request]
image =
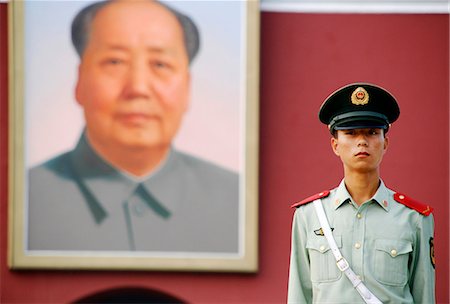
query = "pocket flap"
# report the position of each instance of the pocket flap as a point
(393, 247)
(320, 243)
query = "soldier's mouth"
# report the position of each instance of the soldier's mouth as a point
(362, 154)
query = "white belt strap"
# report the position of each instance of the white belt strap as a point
(341, 262)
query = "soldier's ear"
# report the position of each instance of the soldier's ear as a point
(334, 145)
(386, 143)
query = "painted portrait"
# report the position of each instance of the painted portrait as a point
(139, 136)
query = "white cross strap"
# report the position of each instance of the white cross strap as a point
(341, 262)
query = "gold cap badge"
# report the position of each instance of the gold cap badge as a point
(360, 97)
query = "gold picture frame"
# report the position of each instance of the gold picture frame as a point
(20, 257)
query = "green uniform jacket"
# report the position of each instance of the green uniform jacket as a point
(389, 245)
(77, 201)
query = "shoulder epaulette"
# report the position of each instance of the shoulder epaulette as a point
(311, 199)
(413, 204)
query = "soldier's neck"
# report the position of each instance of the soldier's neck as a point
(362, 186)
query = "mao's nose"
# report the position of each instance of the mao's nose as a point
(138, 83)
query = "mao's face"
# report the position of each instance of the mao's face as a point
(133, 80)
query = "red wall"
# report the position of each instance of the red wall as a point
(303, 58)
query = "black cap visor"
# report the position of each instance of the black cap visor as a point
(359, 120)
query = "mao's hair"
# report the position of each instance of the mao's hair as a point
(82, 23)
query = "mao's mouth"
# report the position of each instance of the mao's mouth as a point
(135, 117)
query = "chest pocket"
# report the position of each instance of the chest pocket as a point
(322, 262)
(391, 261)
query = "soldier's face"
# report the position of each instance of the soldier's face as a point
(360, 150)
(134, 77)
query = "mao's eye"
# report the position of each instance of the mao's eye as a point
(160, 65)
(114, 61)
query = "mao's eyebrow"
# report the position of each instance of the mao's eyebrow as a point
(150, 49)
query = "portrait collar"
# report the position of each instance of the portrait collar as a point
(105, 187)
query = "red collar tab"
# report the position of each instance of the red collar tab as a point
(410, 203)
(311, 199)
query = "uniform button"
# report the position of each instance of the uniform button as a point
(322, 248)
(394, 252)
(138, 209)
(359, 215)
(401, 197)
(357, 245)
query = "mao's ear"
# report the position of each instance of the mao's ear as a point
(77, 86)
(188, 90)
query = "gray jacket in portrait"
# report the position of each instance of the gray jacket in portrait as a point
(77, 201)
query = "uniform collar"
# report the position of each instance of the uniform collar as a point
(342, 196)
(381, 197)
(104, 186)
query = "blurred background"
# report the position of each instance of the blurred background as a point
(307, 50)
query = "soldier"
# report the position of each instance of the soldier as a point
(361, 242)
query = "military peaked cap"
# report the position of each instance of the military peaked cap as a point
(357, 106)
